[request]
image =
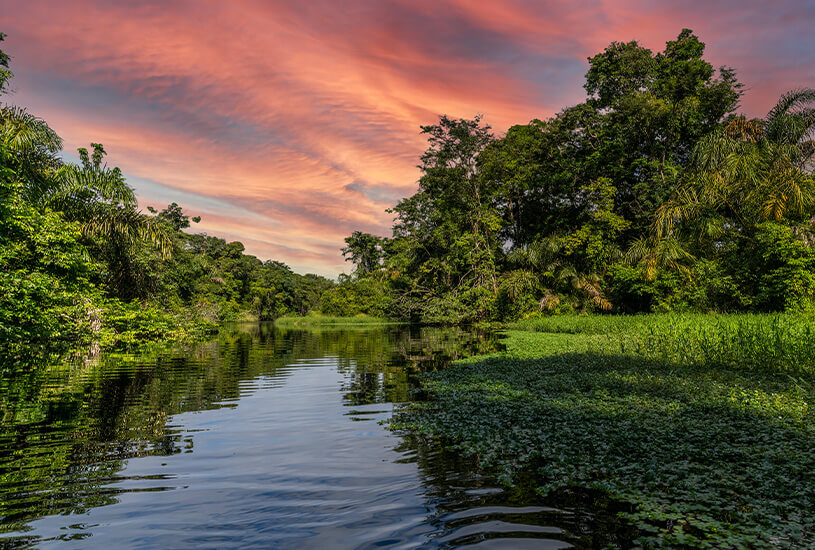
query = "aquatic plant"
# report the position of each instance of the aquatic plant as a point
(702, 425)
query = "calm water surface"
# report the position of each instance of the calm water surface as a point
(263, 438)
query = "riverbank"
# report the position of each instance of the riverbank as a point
(326, 320)
(703, 425)
(112, 325)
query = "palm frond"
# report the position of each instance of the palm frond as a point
(93, 183)
(744, 129)
(549, 301)
(652, 255)
(126, 226)
(683, 206)
(790, 101)
(518, 282)
(22, 132)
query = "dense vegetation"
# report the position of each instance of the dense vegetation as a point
(81, 264)
(651, 195)
(702, 425)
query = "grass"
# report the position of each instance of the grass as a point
(703, 425)
(324, 320)
(583, 324)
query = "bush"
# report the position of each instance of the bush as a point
(352, 297)
(785, 268)
(44, 274)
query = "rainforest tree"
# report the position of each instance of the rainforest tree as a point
(634, 200)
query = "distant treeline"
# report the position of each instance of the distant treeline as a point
(651, 195)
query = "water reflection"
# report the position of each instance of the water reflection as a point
(262, 438)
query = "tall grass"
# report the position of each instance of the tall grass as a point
(773, 342)
(778, 343)
(584, 324)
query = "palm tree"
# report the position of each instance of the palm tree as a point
(105, 206)
(654, 255)
(99, 198)
(748, 172)
(28, 151)
(5, 73)
(89, 193)
(549, 259)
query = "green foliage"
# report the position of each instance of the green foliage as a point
(365, 251)
(128, 323)
(747, 172)
(5, 73)
(637, 199)
(650, 195)
(44, 273)
(784, 269)
(442, 260)
(354, 297)
(704, 285)
(701, 424)
(80, 265)
(655, 108)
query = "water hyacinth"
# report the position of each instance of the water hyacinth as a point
(703, 426)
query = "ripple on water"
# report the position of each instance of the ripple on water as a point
(261, 438)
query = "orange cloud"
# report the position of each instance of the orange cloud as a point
(288, 125)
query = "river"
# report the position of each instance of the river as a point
(263, 438)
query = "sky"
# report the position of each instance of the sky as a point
(288, 125)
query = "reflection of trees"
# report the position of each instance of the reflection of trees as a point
(66, 431)
(390, 374)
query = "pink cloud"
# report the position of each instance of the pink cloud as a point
(302, 118)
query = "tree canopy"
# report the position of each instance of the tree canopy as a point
(79, 260)
(636, 199)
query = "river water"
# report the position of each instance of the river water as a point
(262, 438)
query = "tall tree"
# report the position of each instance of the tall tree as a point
(365, 251)
(655, 109)
(446, 235)
(5, 72)
(747, 172)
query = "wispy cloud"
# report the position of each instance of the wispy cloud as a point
(289, 124)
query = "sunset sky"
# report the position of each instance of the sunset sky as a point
(287, 125)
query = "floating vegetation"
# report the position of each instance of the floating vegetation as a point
(704, 425)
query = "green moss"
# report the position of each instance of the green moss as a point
(704, 425)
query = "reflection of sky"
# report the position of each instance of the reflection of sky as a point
(288, 125)
(286, 465)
